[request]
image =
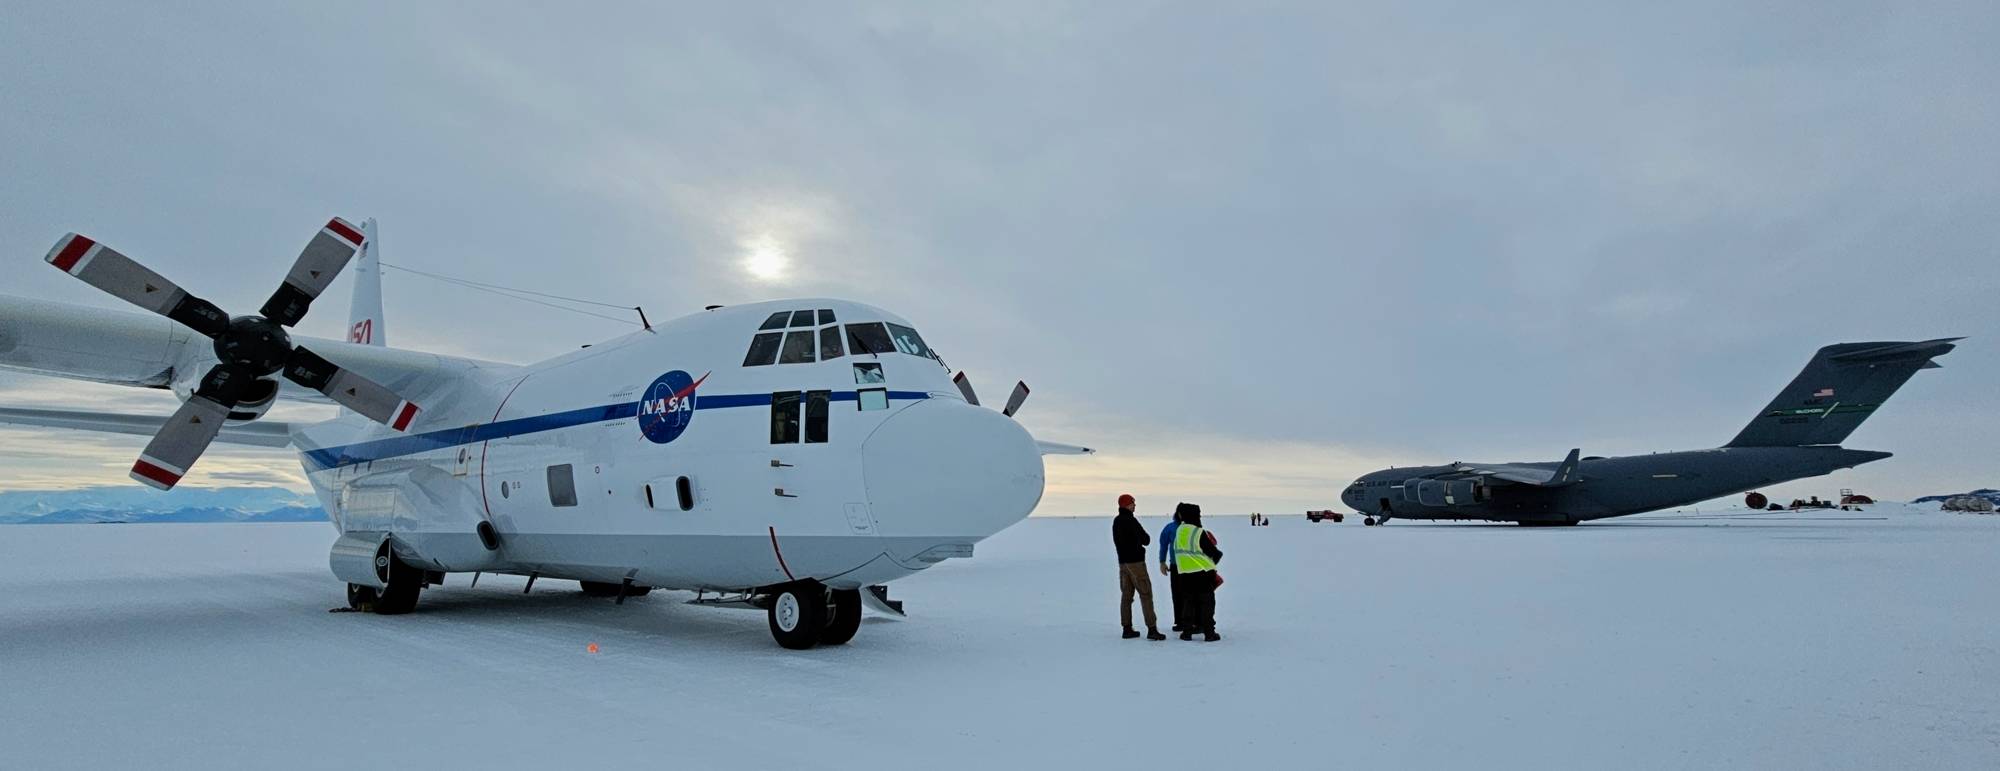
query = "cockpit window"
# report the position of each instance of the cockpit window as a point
(763, 349)
(829, 344)
(802, 318)
(798, 348)
(825, 316)
(869, 338)
(908, 341)
(777, 320)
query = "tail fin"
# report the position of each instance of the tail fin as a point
(364, 314)
(1840, 387)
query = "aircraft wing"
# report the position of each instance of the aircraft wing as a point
(1564, 473)
(263, 433)
(119, 347)
(1057, 448)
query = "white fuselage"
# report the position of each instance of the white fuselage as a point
(882, 469)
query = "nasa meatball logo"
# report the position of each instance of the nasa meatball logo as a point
(668, 406)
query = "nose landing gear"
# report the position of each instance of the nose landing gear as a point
(806, 613)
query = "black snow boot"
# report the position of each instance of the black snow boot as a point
(1154, 634)
(1130, 633)
(1187, 634)
(1210, 636)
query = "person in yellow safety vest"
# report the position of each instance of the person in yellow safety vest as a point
(1194, 556)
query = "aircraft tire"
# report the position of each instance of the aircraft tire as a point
(360, 597)
(797, 614)
(400, 596)
(843, 619)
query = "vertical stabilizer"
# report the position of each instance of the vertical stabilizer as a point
(364, 314)
(1839, 388)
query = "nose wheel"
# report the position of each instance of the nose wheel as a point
(807, 613)
(798, 613)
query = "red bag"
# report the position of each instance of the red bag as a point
(1218, 579)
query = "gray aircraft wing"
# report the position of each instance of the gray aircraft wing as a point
(263, 433)
(1538, 475)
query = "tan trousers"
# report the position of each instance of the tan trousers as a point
(1132, 578)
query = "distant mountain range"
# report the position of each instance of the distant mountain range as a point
(134, 503)
(1987, 493)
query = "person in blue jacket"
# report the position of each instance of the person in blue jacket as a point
(1166, 552)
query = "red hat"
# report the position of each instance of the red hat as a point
(1126, 501)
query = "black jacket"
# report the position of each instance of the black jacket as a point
(1130, 537)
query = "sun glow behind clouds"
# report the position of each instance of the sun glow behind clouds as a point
(766, 259)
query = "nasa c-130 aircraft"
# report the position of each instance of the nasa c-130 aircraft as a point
(790, 456)
(1797, 436)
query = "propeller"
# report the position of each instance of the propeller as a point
(965, 388)
(249, 348)
(1014, 400)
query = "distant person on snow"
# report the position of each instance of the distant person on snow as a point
(1195, 555)
(1130, 538)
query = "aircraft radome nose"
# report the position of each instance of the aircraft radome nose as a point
(943, 470)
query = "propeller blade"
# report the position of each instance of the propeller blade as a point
(122, 277)
(324, 257)
(965, 388)
(351, 390)
(180, 442)
(1015, 399)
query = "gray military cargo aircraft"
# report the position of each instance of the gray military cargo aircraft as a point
(1797, 436)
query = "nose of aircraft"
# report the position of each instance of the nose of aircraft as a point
(943, 473)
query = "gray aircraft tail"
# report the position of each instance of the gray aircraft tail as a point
(1840, 387)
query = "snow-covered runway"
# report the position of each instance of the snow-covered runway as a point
(1832, 640)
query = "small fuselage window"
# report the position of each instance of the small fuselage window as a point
(871, 399)
(562, 485)
(817, 409)
(785, 417)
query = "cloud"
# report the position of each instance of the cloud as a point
(1433, 230)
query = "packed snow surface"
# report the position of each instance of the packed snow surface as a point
(1783, 640)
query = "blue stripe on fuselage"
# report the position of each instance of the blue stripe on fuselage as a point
(412, 444)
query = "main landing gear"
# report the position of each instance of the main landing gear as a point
(806, 613)
(405, 582)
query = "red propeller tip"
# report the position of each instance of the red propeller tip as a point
(155, 475)
(346, 232)
(69, 254)
(404, 414)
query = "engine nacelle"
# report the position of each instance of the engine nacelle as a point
(264, 394)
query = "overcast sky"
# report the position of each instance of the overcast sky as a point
(1249, 254)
